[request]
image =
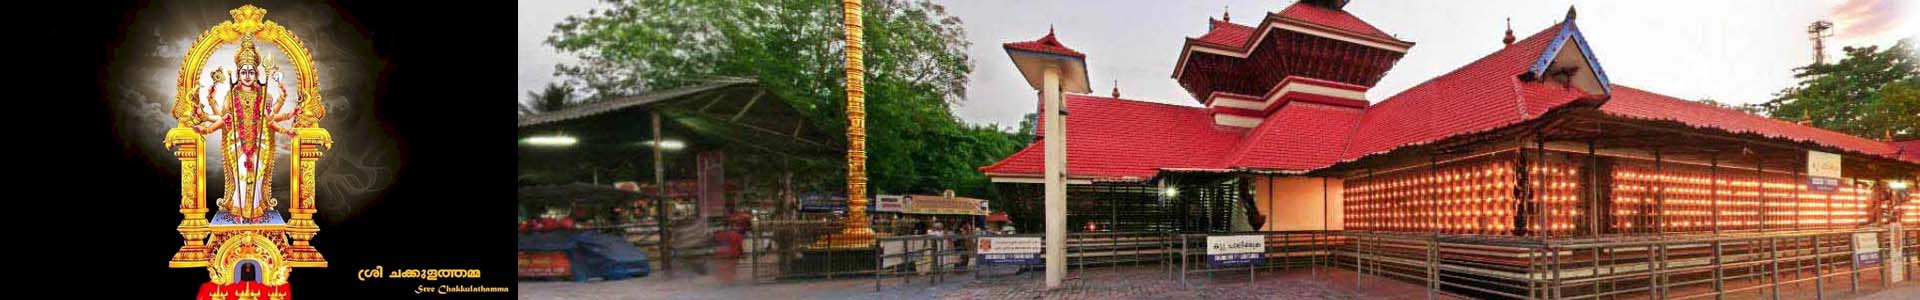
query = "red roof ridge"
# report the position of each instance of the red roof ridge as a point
(1009, 158)
(1217, 22)
(1134, 101)
(1708, 106)
(1519, 99)
(1162, 105)
(1543, 34)
(1334, 20)
(1637, 103)
(1045, 44)
(1414, 121)
(1127, 139)
(1219, 35)
(1346, 145)
(1240, 154)
(1340, 20)
(1908, 149)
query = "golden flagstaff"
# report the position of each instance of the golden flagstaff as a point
(856, 233)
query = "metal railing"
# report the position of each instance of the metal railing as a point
(1657, 267)
(935, 259)
(1284, 249)
(779, 250)
(1706, 265)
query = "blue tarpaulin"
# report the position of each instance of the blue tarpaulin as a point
(592, 254)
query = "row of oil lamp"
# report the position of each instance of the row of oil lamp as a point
(1461, 198)
(1693, 197)
(1910, 212)
(1477, 198)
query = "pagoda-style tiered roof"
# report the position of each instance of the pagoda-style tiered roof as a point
(1304, 40)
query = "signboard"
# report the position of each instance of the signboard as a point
(822, 202)
(1867, 259)
(1823, 171)
(1866, 249)
(675, 189)
(1010, 250)
(545, 264)
(713, 183)
(1236, 250)
(890, 203)
(942, 205)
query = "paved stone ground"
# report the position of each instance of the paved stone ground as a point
(1836, 286)
(1907, 291)
(1156, 283)
(1142, 282)
(692, 288)
(1145, 282)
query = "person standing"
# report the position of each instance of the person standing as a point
(935, 234)
(964, 244)
(726, 256)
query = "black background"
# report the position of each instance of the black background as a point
(90, 217)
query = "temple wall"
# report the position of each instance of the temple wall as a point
(1744, 199)
(1634, 196)
(1299, 203)
(1473, 196)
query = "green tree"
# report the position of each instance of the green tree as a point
(1026, 130)
(1870, 93)
(916, 64)
(556, 96)
(1747, 108)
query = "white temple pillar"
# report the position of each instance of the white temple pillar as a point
(1056, 169)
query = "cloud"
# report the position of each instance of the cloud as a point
(1868, 18)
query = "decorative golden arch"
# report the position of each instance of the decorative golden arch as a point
(249, 20)
(248, 245)
(189, 147)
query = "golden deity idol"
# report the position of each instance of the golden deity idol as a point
(247, 246)
(250, 122)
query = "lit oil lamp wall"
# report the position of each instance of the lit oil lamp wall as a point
(1743, 202)
(1472, 197)
(1910, 212)
(1475, 197)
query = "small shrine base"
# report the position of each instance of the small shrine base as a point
(242, 290)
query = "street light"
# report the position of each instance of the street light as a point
(667, 144)
(1171, 192)
(553, 140)
(1897, 185)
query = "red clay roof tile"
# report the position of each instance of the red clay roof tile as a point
(1046, 44)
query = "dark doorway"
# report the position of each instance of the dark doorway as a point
(247, 272)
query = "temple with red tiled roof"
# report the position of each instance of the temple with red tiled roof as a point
(1533, 140)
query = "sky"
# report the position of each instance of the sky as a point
(1730, 51)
